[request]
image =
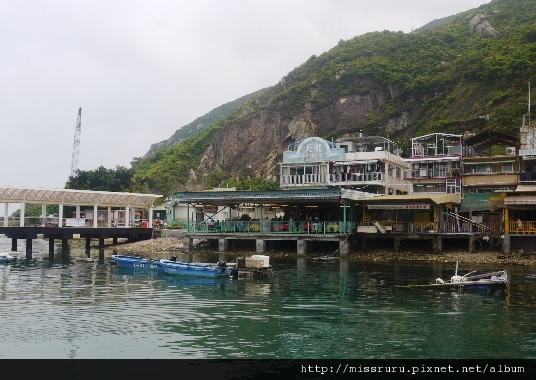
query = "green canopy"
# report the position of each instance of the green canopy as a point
(475, 202)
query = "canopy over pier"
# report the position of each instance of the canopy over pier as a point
(104, 212)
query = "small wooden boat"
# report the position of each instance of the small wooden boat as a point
(196, 269)
(136, 262)
(325, 258)
(6, 257)
(471, 281)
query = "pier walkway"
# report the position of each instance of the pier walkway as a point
(90, 215)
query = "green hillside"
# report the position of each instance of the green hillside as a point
(201, 123)
(444, 79)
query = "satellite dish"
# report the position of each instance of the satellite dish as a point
(398, 151)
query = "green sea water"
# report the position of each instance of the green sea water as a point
(66, 308)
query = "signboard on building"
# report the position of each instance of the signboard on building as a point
(527, 152)
(413, 206)
(314, 149)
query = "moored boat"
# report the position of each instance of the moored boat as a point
(489, 282)
(196, 269)
(6, 257)
(136, 262)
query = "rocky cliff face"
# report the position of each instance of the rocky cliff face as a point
(387, 83)
(255, 145)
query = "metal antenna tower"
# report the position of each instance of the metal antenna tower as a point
(77, 130)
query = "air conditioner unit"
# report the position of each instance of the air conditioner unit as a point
(511, 150)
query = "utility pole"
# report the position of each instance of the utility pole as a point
(77, 130)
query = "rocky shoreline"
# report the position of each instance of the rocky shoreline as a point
(174, 245)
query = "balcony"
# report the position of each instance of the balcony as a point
(527, 177)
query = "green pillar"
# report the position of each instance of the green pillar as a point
(187, 217)
(344, 215)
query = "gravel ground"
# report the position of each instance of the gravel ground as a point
(170, 245)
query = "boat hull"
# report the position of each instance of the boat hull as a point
(134, 262)
(5, 257)
(195, 270)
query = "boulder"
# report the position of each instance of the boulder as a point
(480, 25)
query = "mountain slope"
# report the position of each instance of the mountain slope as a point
(386, 83)
(200, 123)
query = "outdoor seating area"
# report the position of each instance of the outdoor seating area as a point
(269, 227)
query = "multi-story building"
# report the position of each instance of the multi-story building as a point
(363, 163)
(435, 163)
(490, 163)
(527, 152)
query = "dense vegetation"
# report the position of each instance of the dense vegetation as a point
(102, 179)
(446, 75)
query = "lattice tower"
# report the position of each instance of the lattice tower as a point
(76, 145)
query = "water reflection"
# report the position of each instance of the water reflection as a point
(70, 308)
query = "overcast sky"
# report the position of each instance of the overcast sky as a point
(140, 70)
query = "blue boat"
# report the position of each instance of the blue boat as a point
(196, 269)
(135, 262)
(5, 257)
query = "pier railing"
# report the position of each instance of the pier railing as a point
(272, 227)
(450, 226)
(521, 227)
(37, 221)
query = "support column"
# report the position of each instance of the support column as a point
(77, 212)
(261, 245)
(109, 217)
(64, 244)
(223, 245)
(22, 212)
(127, 216)
(28, 248)
(101, 243)
(43, 215)
(14, 244)
(434, 246)
(88, 244)
(60, 215)
(187, 243)
(150, 218)
(6, 212)
(95, 215)
(344, 247)
(506, 244)
(302, 246)
(439, 244)
(471, 242)
(397, 241)
(51, 246)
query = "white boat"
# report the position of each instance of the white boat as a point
(471, 281)
(6, 257)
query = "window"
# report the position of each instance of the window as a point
(508, 167)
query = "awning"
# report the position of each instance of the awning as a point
(439, 159)
(527, 188)
(487, 162)
(475, 202)
(436, 198)
(520, 200)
